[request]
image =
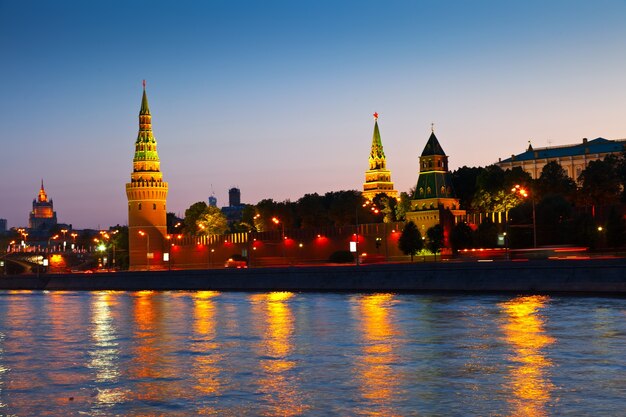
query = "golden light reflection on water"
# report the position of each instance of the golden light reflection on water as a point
(377, 381)
(105, 356)
(524, 330)
(207, 362)
(273, 314)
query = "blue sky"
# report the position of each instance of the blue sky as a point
(276, 97)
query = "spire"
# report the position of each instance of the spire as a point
(377, 155)
(432, 146)
(42, 197)
(144, 101)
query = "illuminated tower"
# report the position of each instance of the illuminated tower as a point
(42, 217)
(147, 194)
(434, 201)
(377, 177)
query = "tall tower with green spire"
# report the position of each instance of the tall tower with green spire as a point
(147, 195)
(434, 201)
(378, 177)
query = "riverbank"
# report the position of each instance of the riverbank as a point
(592, 276)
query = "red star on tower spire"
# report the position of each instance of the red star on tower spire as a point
(375, 116)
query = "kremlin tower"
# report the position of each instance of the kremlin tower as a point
(378, 177)
(147, 194)
(434, 201)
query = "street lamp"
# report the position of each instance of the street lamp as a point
(524, 193)
(142, 233)
(64, 231)
(55, 237)
(73, 240)
(275, 220)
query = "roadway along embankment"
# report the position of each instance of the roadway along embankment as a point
(583, 277)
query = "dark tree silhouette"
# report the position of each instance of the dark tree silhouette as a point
(410, 241)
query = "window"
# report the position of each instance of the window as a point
(139, 207)
(153, 206)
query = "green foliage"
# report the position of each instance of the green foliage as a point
(119, 242)
(174, 223)
(192, 214)
(461, 237)
(341, 257)
(212, 222)
(387, 207)
(493, 189)
(403, 206)
(410, 241)
(434, 239)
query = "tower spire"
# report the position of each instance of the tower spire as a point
(378, 177)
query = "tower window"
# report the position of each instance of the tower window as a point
(139, 207)
(154, 207)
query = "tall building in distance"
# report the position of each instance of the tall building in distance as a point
(434, 201)
(234, 210)
(42, 218)
(378, 177)
(147, 195)
(3, 225)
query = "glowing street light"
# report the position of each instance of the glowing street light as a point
(276, 221)
(524, 193)
(142, 233)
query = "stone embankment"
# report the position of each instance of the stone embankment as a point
(584, 277)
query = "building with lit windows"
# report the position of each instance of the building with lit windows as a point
(573, 158)
(378, 177)
(42, 217)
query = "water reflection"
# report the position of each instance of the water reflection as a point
(376, 378)
(524, 330)
(207, 354)
(277, 383)
(105, 352)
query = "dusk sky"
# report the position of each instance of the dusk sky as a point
(276, 97)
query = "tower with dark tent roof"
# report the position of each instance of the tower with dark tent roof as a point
(147, 194)
(378, 177)
(434, 201)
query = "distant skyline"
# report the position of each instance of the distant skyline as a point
(276, 97)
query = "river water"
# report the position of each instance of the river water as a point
(290, 354)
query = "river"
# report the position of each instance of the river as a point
(291, 354)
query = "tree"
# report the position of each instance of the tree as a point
(615, 228)
(192, 214)
(555, 181)
(435, 239)
(410, 241)
(601, 183)
(461, 237)
(464, 183)
(403, 206)
(487, 234)
(212, 221)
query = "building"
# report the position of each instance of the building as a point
(42, 218)
(573, 158)
(234, 210)
(3, 225)
(378, 177)
(147, 195)
(434, 201)
(212, 201)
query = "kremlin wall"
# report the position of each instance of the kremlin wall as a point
(150, 247)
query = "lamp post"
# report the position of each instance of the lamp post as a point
(142, 233)
(524, 193)
(282, 234)
(64, 231)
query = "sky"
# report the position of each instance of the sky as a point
(276, 97)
